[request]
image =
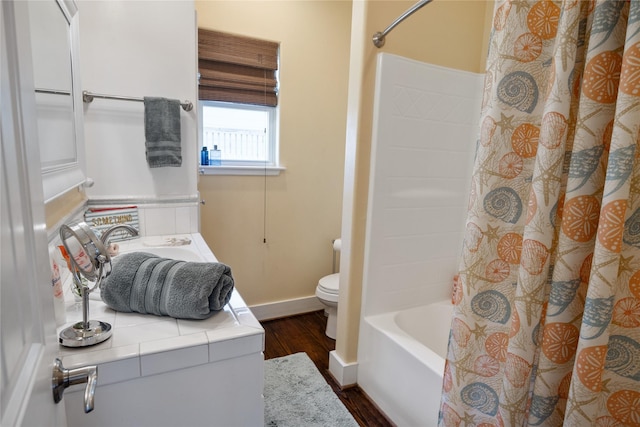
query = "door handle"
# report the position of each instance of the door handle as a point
(63, 378)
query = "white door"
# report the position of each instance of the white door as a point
(28, 342)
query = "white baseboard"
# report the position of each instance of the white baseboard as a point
(286, 308)
(345, 374)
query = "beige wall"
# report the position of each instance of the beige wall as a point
(303, 204)
(62, 206)
(450, 33)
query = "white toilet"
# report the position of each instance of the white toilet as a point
(327, 293)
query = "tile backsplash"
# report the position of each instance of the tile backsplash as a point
(173, 219)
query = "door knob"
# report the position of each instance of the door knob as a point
(63, 378)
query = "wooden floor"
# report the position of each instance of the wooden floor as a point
(305, 333)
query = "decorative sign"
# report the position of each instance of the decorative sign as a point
(100, 219)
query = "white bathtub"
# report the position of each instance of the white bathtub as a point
(401, 362)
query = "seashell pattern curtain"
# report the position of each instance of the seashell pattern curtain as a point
(546, 326)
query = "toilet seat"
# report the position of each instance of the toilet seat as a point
(328, 287)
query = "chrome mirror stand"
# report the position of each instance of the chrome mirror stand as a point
(90, 259)
(87, 332)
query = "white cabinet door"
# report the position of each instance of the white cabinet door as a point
(28, 342)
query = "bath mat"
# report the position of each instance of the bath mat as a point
(296, 394)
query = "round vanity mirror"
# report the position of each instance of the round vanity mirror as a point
(87, 253)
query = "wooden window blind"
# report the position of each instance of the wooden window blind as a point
(237, 68)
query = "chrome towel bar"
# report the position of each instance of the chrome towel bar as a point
(53, 91)
(89, 96)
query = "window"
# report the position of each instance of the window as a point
(238, 98)
(244, 133)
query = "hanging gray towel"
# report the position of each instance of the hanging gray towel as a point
(162, 132)
(145, 283)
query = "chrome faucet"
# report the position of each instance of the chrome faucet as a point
(110, 230)
(104, 238)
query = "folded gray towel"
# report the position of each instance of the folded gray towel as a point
(145, 283)
(162, 132)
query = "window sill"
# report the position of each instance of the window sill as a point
(241, 170)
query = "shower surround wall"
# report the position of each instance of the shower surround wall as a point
(425, 132)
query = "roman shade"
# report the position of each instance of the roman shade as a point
(236, 68)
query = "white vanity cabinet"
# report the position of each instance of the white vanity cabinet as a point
(159, 371)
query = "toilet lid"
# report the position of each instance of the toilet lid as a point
(330, 283)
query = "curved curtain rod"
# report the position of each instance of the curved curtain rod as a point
(378, 38)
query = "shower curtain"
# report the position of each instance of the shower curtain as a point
(546, 325)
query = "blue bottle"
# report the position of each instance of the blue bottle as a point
(204, 157)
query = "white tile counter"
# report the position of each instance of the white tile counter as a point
(143, 348)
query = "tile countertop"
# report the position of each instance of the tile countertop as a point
(145, 344)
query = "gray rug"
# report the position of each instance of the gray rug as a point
(296, 395)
